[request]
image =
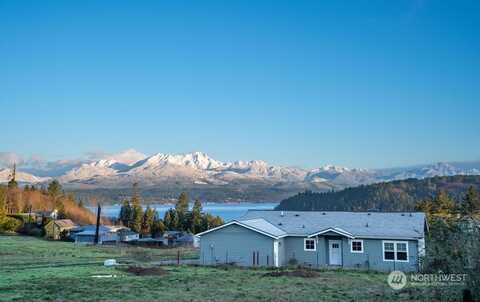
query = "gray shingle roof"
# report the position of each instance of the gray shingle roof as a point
(359, 224)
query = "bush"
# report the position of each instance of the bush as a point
(30, 229)
(8, 224)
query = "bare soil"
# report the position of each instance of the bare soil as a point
(146, 271)
(295, 273)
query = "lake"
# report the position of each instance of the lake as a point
(227, 211)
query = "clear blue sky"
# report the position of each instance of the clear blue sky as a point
(304, 83)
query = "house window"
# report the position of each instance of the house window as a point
(309, 245)
(395, 251)
(357, 246)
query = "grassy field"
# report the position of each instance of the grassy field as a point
(37, 270)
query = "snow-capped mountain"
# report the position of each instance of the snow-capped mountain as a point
(198, 169)
(340, 176)
(21, 177)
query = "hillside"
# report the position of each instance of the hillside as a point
(398, 195)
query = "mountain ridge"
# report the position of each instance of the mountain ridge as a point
(198, 170)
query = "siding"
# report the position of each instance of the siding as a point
(236, 244)
(372, 257)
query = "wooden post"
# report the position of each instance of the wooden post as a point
(99, 210)
(178, 257)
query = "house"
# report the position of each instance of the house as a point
(42, 217)
(127, 235)
(106, 234)
(367, 240)
(187, 240)
(58, 229)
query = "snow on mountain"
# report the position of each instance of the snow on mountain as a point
(425, 171)
(197, 168)
(104, 167)
(339, 175)
(21, 177)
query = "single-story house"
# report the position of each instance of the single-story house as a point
(127, 235)
(55, 229)
(106, 234)
(367, 240)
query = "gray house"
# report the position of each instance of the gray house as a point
(365, 240)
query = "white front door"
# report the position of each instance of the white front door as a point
(335, 252)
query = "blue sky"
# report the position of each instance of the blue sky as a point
(304, 83)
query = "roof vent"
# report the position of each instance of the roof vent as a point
(369, 214)
(296, 215)
(282, 213)
(366, 225)
(324, 213)
(279, 223)
(410, 215)
(303, 226)
(403, 214)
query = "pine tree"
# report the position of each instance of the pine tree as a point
(158, 227)
(13, 182)
(444, 205)
(136, 211)
(148, 220)
(196, 217)
(125, 213)
(54, 188)
(182, 204)
(171, 220)
(471, 202)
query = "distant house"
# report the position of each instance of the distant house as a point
(376, 240)
(58, 229)
(106, 234)
(127, 235)
(188, 240)
(42, 217)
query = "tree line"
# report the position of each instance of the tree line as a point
(453, 243)
(16, 204)
(179, 218)
(401, 195)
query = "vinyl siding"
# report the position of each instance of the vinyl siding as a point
(236, 244)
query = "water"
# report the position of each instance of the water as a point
(227, 211)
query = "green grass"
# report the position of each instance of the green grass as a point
(28, 272)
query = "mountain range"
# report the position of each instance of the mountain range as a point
(198, 170)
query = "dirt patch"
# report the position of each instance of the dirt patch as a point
(146, 271)
(296, 273)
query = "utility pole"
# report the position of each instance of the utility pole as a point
(99, 210)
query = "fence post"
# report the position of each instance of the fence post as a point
(178, 257)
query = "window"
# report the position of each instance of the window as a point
(357, 246)
(309, 245)
(395, 251)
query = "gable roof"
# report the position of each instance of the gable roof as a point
(382, 225)
(64, 223)
(257, 225)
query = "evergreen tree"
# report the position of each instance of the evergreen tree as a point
(148, 220)
(54, 188)
(443, 204)
(137, 211)
(196, 217)
(125, 213)
(171, 220)
(182, 203)
(158, 227)
(471, 202)
(13, 182)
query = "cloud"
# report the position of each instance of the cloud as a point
(7, 159)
